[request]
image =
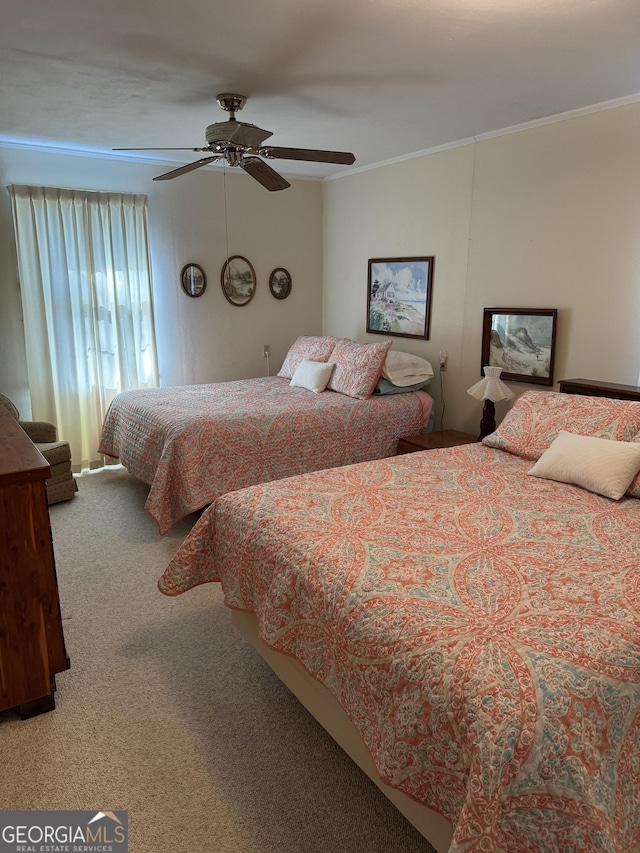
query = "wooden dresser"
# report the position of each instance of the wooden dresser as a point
(32, 647)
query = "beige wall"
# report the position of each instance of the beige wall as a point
(413, 208)
(546, 217)
(199, 340)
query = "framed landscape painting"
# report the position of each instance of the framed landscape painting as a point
(399, 296)
(238, 280)
(521, 341)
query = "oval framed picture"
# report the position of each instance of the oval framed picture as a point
(280, 283)
(238, 280)
(193, 280)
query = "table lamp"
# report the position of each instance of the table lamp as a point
(491, 389)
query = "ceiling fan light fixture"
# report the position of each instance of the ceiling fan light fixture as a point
(233, 158)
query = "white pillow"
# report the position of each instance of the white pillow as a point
(402, 368)
(600, 465)
(313, 375)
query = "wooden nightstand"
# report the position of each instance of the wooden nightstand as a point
(434, 440)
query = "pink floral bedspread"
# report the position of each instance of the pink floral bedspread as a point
(193, 443)
(480, 627)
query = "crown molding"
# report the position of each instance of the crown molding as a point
(493, 134)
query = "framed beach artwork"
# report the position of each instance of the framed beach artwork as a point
(399, 296)
(522, 342)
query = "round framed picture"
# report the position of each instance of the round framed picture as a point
(238, 280)
(193, 280)
(280, 283)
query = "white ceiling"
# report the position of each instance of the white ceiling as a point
(381, 78)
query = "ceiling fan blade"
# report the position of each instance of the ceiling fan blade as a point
(237, 133)
(341, 157)
(250, 136)
(175, 173)
(263, 173)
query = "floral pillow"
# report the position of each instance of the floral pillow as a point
(538, 416)
(309, 347)
(358, 367)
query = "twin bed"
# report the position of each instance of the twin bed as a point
(468, 632)
(193, 443)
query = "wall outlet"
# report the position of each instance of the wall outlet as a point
(444, 355)
(266, 350)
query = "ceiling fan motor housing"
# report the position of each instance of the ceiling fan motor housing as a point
(236, 132)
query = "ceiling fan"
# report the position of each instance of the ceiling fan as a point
(240, 144)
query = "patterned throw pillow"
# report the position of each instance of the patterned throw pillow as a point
(309, 347)
(538, 416)
(358, 367)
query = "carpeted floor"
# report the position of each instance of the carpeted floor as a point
(169, 713)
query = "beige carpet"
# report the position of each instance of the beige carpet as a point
(169, 713)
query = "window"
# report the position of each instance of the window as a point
(85, 283)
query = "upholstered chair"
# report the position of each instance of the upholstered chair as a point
(61, 486)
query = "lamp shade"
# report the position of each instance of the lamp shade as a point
(491, 387)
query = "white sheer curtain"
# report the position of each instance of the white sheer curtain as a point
(85, 282)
